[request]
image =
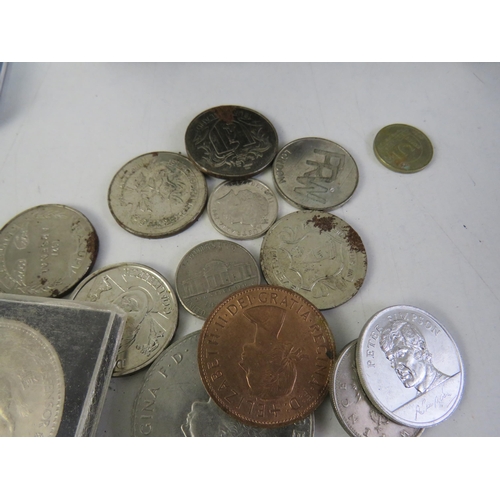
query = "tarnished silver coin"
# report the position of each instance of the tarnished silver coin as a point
(354, 410)
(242, 210)
(46, 250)
(157, 194)
(410, 366)
(231, 142)
(31, 382)
(173, 402)
(210, 272)
(317, 254)
(315, 174)
(148, 299)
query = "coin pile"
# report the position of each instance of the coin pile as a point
(265, 357)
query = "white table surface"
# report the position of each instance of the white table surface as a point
(432, 238)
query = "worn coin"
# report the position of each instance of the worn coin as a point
(314, 173)
(211, 271)
(31, 382)
(265, 356)
(403, 148)
(157, 194)
(148, 299)
(46, 250)
(242, 210)
(231, 142)
(317, 254)
(173, 402)
(410, 366)
(354, 410)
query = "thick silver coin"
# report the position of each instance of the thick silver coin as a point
(157, 195)
(148, 299)
(242, 210)
(173, 402)
(210, 272)
(317, 254)
(354, 410)
(231, 142)
(31, 382)
(46, 250)
(315, 174)
(410, 366)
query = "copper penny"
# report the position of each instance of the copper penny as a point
(265, 356)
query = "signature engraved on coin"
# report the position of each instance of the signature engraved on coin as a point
(31, 382)
(157, 194)
(151, 305)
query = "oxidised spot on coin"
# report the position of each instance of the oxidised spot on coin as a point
(326, 223)
(225, 113)
(92, 242)
(354, 241)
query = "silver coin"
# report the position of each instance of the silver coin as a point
(315, 174)
(157, 195)
(410, 366)
(148, 299)
(210, 272)
(173, 402)
(46, 250)
(231, 142)
(242, 210)
(354, 410)
(317, 254)
(31, 382)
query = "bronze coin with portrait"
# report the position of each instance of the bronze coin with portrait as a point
(265, 356)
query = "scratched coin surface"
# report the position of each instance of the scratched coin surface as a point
(315, 174)
(157, 195)
(353, 409)
(211, 271)
(31, 382)
(317, 254)
(403, 148)
(173, 402)
(410, 366)
(242, 210)
(148, 299)
(46, 250)
(265, 356)
(231, 142)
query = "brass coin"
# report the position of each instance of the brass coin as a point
(403, 148)
(265, 356)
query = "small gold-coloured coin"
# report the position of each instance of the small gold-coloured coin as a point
(403, 148)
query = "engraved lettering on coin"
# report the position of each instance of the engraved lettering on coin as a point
(46, 250)
(353, 409)
(316, 254)
(410, 366)
(314, 173)
(242, 209)
(403, 148)
(231, 142)
(157, 195)
(31, 382)
(151, 305)
(174, 402)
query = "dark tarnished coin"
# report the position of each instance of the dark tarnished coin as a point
(31, 382)
(242, 210)
(315, 174)
(173, 402)
(353, 409)
(403, 148)
(231, 142)
(265, 356)
(409, 366)
(157, 195)
(46, 250)
(148, 299)
(210, 272)
(317, 254)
